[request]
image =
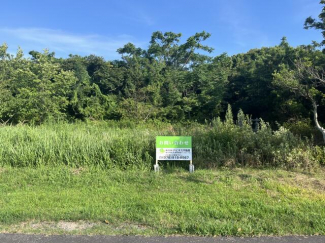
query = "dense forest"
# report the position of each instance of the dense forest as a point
(168, 81)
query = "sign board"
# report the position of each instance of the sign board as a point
(173, 148)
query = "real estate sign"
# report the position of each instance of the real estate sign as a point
(173, 148)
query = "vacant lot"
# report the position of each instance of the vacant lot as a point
(208, 202)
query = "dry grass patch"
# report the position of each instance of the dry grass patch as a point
(51, 227)
(77, 171)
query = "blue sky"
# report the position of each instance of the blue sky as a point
(101, 26)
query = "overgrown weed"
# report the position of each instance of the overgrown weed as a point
(127, 145)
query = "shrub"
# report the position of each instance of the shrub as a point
(128, 145)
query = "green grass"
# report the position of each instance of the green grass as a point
(241, 202)
(110, 145)
(96, 178)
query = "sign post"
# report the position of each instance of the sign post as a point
(174, 148)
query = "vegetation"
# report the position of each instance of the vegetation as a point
(168, 81)
(241, 202)
(77, 139)
(304, 80)
(111, 145)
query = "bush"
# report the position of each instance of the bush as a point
(319, 155)
(229, 144)
(128, 145)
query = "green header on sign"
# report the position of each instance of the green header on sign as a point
(173, 142)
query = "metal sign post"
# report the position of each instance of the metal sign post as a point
(174, 148)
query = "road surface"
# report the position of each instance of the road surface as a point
(20, 238)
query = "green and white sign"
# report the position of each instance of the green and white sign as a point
(173, 148)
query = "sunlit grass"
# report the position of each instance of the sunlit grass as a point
(98, 177)
(222, 202)
(110, 145)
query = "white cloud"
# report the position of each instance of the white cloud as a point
(64, 43)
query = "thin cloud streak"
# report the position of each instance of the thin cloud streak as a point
(64, 43)
(136, 12)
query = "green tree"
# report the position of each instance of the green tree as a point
(319, 23)
(208, 87)
(251, 86)
(36, 89)
(305, 80)
(6, 98)
(164, 47)
(179, 89)
(91, 98)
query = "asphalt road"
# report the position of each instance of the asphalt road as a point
(20, 238)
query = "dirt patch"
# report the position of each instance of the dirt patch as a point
(77, 171)
(272, 194)
(319, 184)
(77, 227)
(131, 226)
(61, 225)
(70, 226)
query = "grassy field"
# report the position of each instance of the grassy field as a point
(132, 146)
(97, 178)
(86, 200)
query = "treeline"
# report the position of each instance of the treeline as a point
(167, 81)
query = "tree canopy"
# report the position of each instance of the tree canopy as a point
(170, 80)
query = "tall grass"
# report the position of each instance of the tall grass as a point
(127, 145)
(75, 145)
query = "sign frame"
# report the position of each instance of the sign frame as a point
(174, 148)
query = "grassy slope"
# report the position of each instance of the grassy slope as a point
(223, 202)
(109, 146)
